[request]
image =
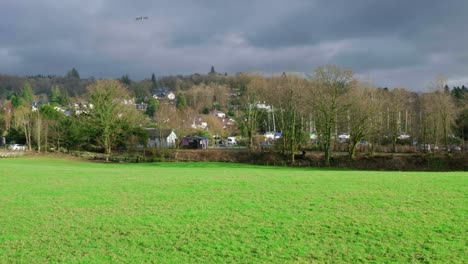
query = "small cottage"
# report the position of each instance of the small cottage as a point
(161, 138)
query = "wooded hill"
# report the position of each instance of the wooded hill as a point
(306, 111)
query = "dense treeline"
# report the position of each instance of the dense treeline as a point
(53, 112)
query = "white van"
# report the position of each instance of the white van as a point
(231, 141)
(18, 147)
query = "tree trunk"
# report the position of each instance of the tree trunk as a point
(445, 137)
(327, 155)
(250, 142)
(27, 133)
(46, 135)
(38, 133)
(108, 152)
(352, 150)
(293, 137)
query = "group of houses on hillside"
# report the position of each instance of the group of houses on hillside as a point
(161, 94)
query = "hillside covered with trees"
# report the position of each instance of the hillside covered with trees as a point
(329, 111)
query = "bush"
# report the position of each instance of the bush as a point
(160, 154)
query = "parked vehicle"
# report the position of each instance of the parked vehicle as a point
(364, 143)
(403, 136)
(231, 141)
(277, 135)
(17, 147)
(269, 135)
(455, 149)
(343, 138)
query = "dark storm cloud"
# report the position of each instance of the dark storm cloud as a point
(392, 43)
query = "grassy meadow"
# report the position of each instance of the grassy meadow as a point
(55, 210)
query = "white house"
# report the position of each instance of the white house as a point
(163, 93)
(171, 96)
(161, 138)
(220, 114)
(203, 125)
(200, 124)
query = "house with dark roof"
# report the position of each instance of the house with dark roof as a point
(163, 93)
(141, 106)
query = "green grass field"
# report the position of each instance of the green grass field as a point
(55, 210)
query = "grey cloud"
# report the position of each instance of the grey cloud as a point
(388, 53)
(396, 43)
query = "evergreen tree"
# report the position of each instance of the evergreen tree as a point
(459, 92)
(55, 96)
(153, 106)
(27, 93)
(64, 98)
(153, 81)
(181, 102)
(461, 124)
(125, 80)
(212, 71)
(446, 89)
(15, 101)
(73, 73)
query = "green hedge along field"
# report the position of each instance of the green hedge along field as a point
(55, 210)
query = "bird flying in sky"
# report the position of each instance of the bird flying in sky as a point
(141, 18)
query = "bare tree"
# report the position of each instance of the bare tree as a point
(445, 107)
(287, 96)
(50, 119)
(37, 129)
(426, 117)
(220, 95)
(6, 116)
(250, 98)
(397, 103)
(363, 113)
(294, 110)
(200, 97)
(331, 83)
(23, 120)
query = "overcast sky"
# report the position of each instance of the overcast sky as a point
(392, 43)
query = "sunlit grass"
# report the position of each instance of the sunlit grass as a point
(70, 211)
